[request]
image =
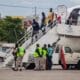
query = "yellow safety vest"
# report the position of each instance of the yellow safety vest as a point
(36, 55)
(20, 52)
(44, 52)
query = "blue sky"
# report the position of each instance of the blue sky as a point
(42, 5)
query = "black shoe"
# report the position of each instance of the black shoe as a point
(14, 69)
(20, 70)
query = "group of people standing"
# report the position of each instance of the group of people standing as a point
(43, 57)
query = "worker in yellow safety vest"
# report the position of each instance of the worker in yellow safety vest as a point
(45, 52)
(20, 55)
(38, 58)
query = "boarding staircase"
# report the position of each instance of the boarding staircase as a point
(49, 38)
(26, 42)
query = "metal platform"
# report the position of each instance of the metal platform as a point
(68, 31)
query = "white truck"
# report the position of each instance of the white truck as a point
(72, 59)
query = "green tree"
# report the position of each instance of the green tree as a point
(11, 29)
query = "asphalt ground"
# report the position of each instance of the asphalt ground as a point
(55, 74)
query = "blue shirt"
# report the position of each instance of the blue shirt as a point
(50, 51)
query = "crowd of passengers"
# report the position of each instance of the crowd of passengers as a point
(48, 21)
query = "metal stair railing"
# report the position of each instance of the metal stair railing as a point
(28, 36)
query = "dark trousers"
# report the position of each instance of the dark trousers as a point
(35, 33)
(49, 63)
(50, 24)
(15, 59)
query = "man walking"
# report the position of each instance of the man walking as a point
(35, 26)
(50, 17)
(43, 23)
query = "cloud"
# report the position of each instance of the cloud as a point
(35, 1)
(76, 1)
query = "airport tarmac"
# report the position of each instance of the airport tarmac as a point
(55, 74)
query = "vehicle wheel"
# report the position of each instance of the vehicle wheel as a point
(78, 65)
(68, 66)
(1, 59)
(75, 66)
(30, 66)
